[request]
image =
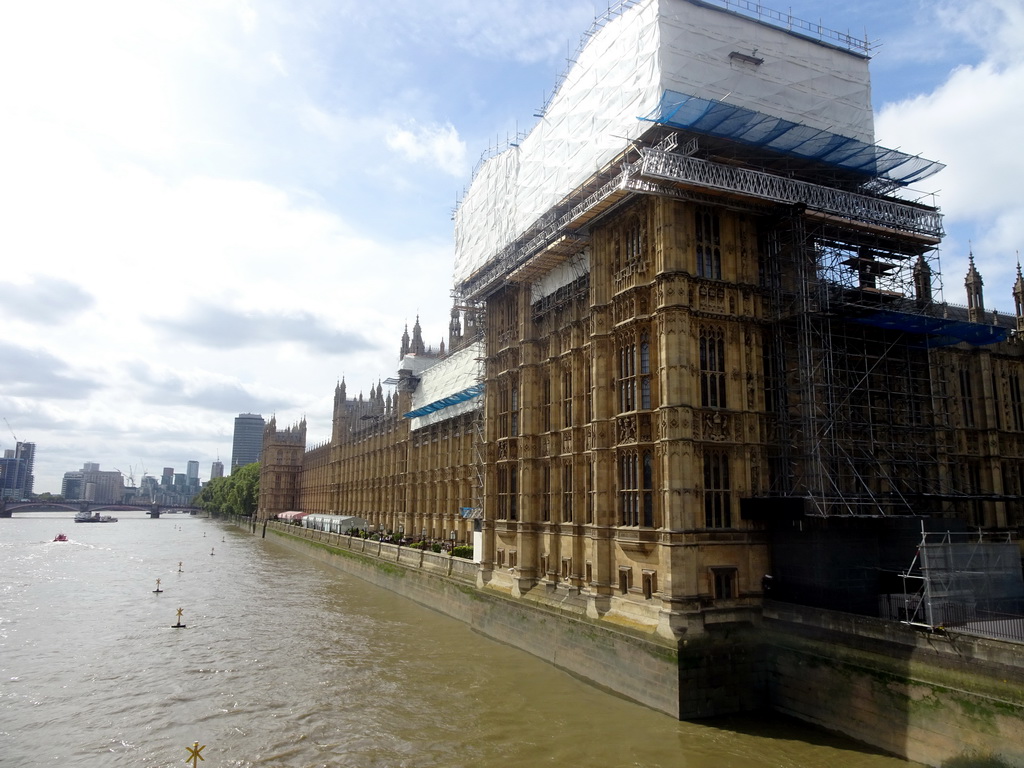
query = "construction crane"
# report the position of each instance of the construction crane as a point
(11, 430)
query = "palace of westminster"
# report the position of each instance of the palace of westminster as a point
(697, 340)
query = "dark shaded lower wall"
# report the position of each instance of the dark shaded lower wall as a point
(942, 700)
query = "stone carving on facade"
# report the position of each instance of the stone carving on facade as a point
(712, 298)
(626, 429)
(715, 427)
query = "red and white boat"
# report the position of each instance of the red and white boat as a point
(60, 537)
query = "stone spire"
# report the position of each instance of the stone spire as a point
(405, 342)
(417, 338)
(340, 425)
(975, 299)
(1018, 296)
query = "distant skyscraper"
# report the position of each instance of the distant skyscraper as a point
(217, 470)
(192, 477)
(27, 453)
(16, 479)
(245, 448)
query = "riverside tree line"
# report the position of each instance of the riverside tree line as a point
(236, 494)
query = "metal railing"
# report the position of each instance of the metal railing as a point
(668, 166)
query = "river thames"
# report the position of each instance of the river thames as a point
(286, 662)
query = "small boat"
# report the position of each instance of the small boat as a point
(60, 537)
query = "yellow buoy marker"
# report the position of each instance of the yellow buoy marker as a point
(157, 590)
(179, 566)
(195, 754)
(179, 625)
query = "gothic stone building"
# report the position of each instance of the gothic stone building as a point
(668, 354)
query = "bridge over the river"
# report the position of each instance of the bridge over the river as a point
(8, 507)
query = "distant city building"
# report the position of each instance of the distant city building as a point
(167, 478)
(16, 478)
(192, 477)
(148, 489)
(92, 484)
(248, 440)
(217, 470)
(27, 453)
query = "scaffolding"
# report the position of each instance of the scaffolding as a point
(965, 581)
(858, 418)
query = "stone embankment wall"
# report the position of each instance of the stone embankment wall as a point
(941, 699)
(938, 699)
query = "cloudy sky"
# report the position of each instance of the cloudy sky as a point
(210, 207)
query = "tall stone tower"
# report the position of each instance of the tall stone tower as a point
(281, 468)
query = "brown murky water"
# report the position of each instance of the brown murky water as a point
(287, 663)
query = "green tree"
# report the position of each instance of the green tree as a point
(245, 494)
(237, 494)
(212, 497)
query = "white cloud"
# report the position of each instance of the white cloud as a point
(972, 123)
(437, 145)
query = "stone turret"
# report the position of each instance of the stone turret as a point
(405, 343)
(922, 282)
(1018, 298)
(280, 468)
(417, 338)
(454, 330)
(340, 424)
(975, 298)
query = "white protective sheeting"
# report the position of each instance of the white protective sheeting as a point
(454, 374)
(800, 80)
(619, 78)
(565, 273)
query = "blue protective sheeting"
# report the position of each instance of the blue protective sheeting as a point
(445, 402)
(940, 331)
(728, 121)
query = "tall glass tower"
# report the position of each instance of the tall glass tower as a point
(248, 441)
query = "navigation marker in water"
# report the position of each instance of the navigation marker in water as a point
(211, 550)
(195, 753)
(179, 625)
(157, 590)
(179, 566)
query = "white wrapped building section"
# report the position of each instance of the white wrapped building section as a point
(561, 276)
(725, 57)
(620, 79)
(448, 388)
